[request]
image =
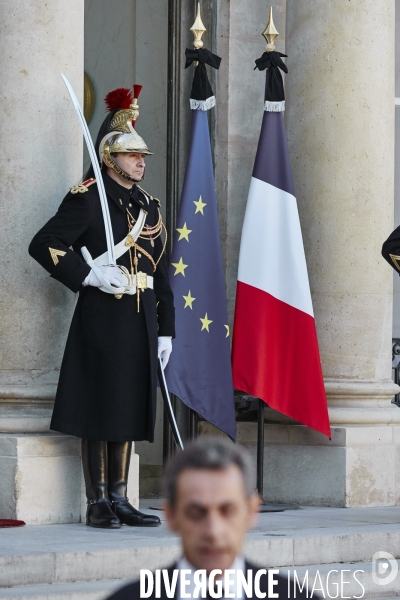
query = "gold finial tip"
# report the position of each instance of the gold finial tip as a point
(270, 33)
(198, 29)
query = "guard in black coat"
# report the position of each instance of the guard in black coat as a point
(108, 381)
(391, 249)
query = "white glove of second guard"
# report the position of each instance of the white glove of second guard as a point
(112, 275)
(164, 349)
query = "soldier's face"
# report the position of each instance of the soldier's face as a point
(212, 514)
(131, 163)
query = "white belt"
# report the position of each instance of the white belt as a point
(129, 283)
(123, 245)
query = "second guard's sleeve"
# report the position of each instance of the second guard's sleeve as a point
(391, 249)
(51, 246)
(164, 295)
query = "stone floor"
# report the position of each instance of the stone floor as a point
(75, 561)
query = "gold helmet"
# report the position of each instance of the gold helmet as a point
(122, 136)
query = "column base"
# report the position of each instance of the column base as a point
(359, 467)
(41, 478)
(26, 405)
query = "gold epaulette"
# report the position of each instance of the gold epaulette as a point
(149, 195)
(83, 187)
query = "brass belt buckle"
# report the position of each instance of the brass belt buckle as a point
(141, 280)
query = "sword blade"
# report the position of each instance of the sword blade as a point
(168, 406)
(97, 172)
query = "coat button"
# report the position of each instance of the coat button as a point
(130, 205)
(139, 255)
(120, 201)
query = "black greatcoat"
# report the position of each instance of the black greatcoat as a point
(391, 249)
(108, 380)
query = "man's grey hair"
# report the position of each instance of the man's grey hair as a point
(211, 453)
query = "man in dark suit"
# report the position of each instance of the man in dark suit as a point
(211, 504)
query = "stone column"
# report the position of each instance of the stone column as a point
(41, 159)
(340, 124)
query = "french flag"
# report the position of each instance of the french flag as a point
(275, 352)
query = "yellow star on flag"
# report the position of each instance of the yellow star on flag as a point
(199, 205)
(179, 267)
(189, 300)
(206, 323)
(227, 330)
(184, 232)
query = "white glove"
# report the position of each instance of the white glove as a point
(164, 349)
(112, 275)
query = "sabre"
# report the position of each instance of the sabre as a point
(97, 172)
(168, 406)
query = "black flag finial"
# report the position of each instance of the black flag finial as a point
(272, 61)
(201, 97)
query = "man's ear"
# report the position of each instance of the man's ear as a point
(170, 514)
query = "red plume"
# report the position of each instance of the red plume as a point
(136, 90)
(120, 98)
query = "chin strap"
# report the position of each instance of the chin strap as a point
(120, 171)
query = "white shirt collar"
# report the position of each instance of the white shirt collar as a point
(238, 565)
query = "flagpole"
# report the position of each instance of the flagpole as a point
(260, 449)
(199, 371)
(193, 424)
(270, 34)
(198, 29)
(172, 182)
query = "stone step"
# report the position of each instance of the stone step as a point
(343, 580)
(316, 575)
(111, 560)
(58, 554)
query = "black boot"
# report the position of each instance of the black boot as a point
(119, 456)
(95, 469)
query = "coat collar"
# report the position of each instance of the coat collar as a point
(121, 196)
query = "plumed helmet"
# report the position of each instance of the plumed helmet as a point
(121, 135)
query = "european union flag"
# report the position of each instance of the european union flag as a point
(199, 370)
